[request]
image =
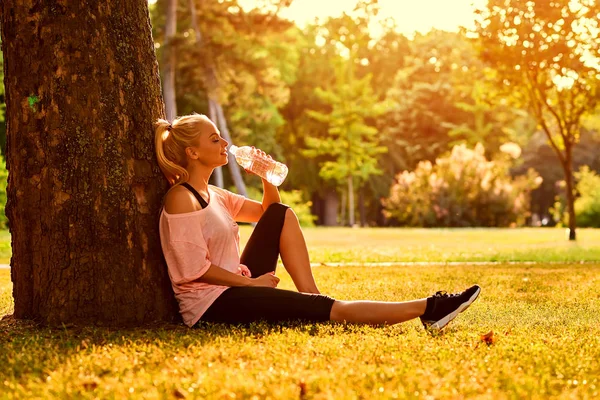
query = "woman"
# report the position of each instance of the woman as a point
(200, 241)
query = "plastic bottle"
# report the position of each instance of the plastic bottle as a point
(274, 172)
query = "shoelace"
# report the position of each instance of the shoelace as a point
(444, 294)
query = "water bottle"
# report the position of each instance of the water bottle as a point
(274, 172)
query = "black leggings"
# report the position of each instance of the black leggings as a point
(248, 304)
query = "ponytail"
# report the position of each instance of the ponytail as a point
(171, 141)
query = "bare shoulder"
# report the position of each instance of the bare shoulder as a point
(179, 200)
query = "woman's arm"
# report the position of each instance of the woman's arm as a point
(216, 275)
(270, 195)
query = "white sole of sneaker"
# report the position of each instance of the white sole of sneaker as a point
(444, 321)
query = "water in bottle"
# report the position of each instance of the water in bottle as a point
(274, 172)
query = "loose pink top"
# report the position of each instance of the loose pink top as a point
(192, 241)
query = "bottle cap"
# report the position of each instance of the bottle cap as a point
(233, 149)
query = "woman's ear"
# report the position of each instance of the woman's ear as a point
(191, 153)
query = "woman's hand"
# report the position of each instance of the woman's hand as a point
(261, 153)
(266, 280)
(244, 271)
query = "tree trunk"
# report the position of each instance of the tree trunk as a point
(568, 168)
(170, 60)
(216, 110)
(234, 168)
(212, 114)
(84, 189)
(361, 207)
(330, 212)
(343, 206)
(350, 201)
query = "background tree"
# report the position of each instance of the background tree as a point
(546, 58)
(84, 188)
(170, 60)
(352, 143)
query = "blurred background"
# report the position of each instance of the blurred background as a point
(436, 113)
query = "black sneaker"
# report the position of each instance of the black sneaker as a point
(446, 307)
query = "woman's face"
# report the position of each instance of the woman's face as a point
(211, 149)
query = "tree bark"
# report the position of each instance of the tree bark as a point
(84, 189)
(170, 59)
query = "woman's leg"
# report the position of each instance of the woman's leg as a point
(278, 231)
(377, 312)
(262, 249)
(249, 304)
(294, 254)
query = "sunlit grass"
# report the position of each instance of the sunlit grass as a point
(546, 321)
(335, 245)
(545, 318)
(347, 245)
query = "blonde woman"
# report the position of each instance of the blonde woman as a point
(200, 240)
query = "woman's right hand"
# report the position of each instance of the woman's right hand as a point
(266, 280)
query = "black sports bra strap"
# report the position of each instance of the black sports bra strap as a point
(202, 202)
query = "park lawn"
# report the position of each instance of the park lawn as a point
(368, 245)
(545, 319)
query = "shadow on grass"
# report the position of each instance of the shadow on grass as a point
(30, 350)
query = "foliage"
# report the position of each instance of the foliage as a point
(587, 204)
(254, 67)
(292, 198)
(545, 55)
(462, 189)
(352, 143)
(3, 183)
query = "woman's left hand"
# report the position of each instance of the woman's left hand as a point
(245, 271)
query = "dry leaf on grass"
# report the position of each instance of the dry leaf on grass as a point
(489, 338)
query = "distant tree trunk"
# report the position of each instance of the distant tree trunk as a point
(330, 209)
(212, 114)
(568, 168)
(84, 189)
(216, 110)
(350, 201)
(361, 207)
(170, 60)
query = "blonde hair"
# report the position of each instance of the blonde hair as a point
(171, 140)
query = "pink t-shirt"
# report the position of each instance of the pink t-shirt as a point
(192, 241)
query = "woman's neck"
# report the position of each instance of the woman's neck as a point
(199, 179)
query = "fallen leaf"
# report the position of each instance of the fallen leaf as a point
(91, 385)
(489, 338)
(302, 386)
(178, 394)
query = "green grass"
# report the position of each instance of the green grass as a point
(443, 245)
(545, 318)
(5, 251)
(342, 245)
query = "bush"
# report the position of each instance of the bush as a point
(460, 190)
(587, 205)
(293, 199)
(3, 182)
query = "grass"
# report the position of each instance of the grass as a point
(342, 245)
(5, 251)
(545, 319)
(337, 245)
